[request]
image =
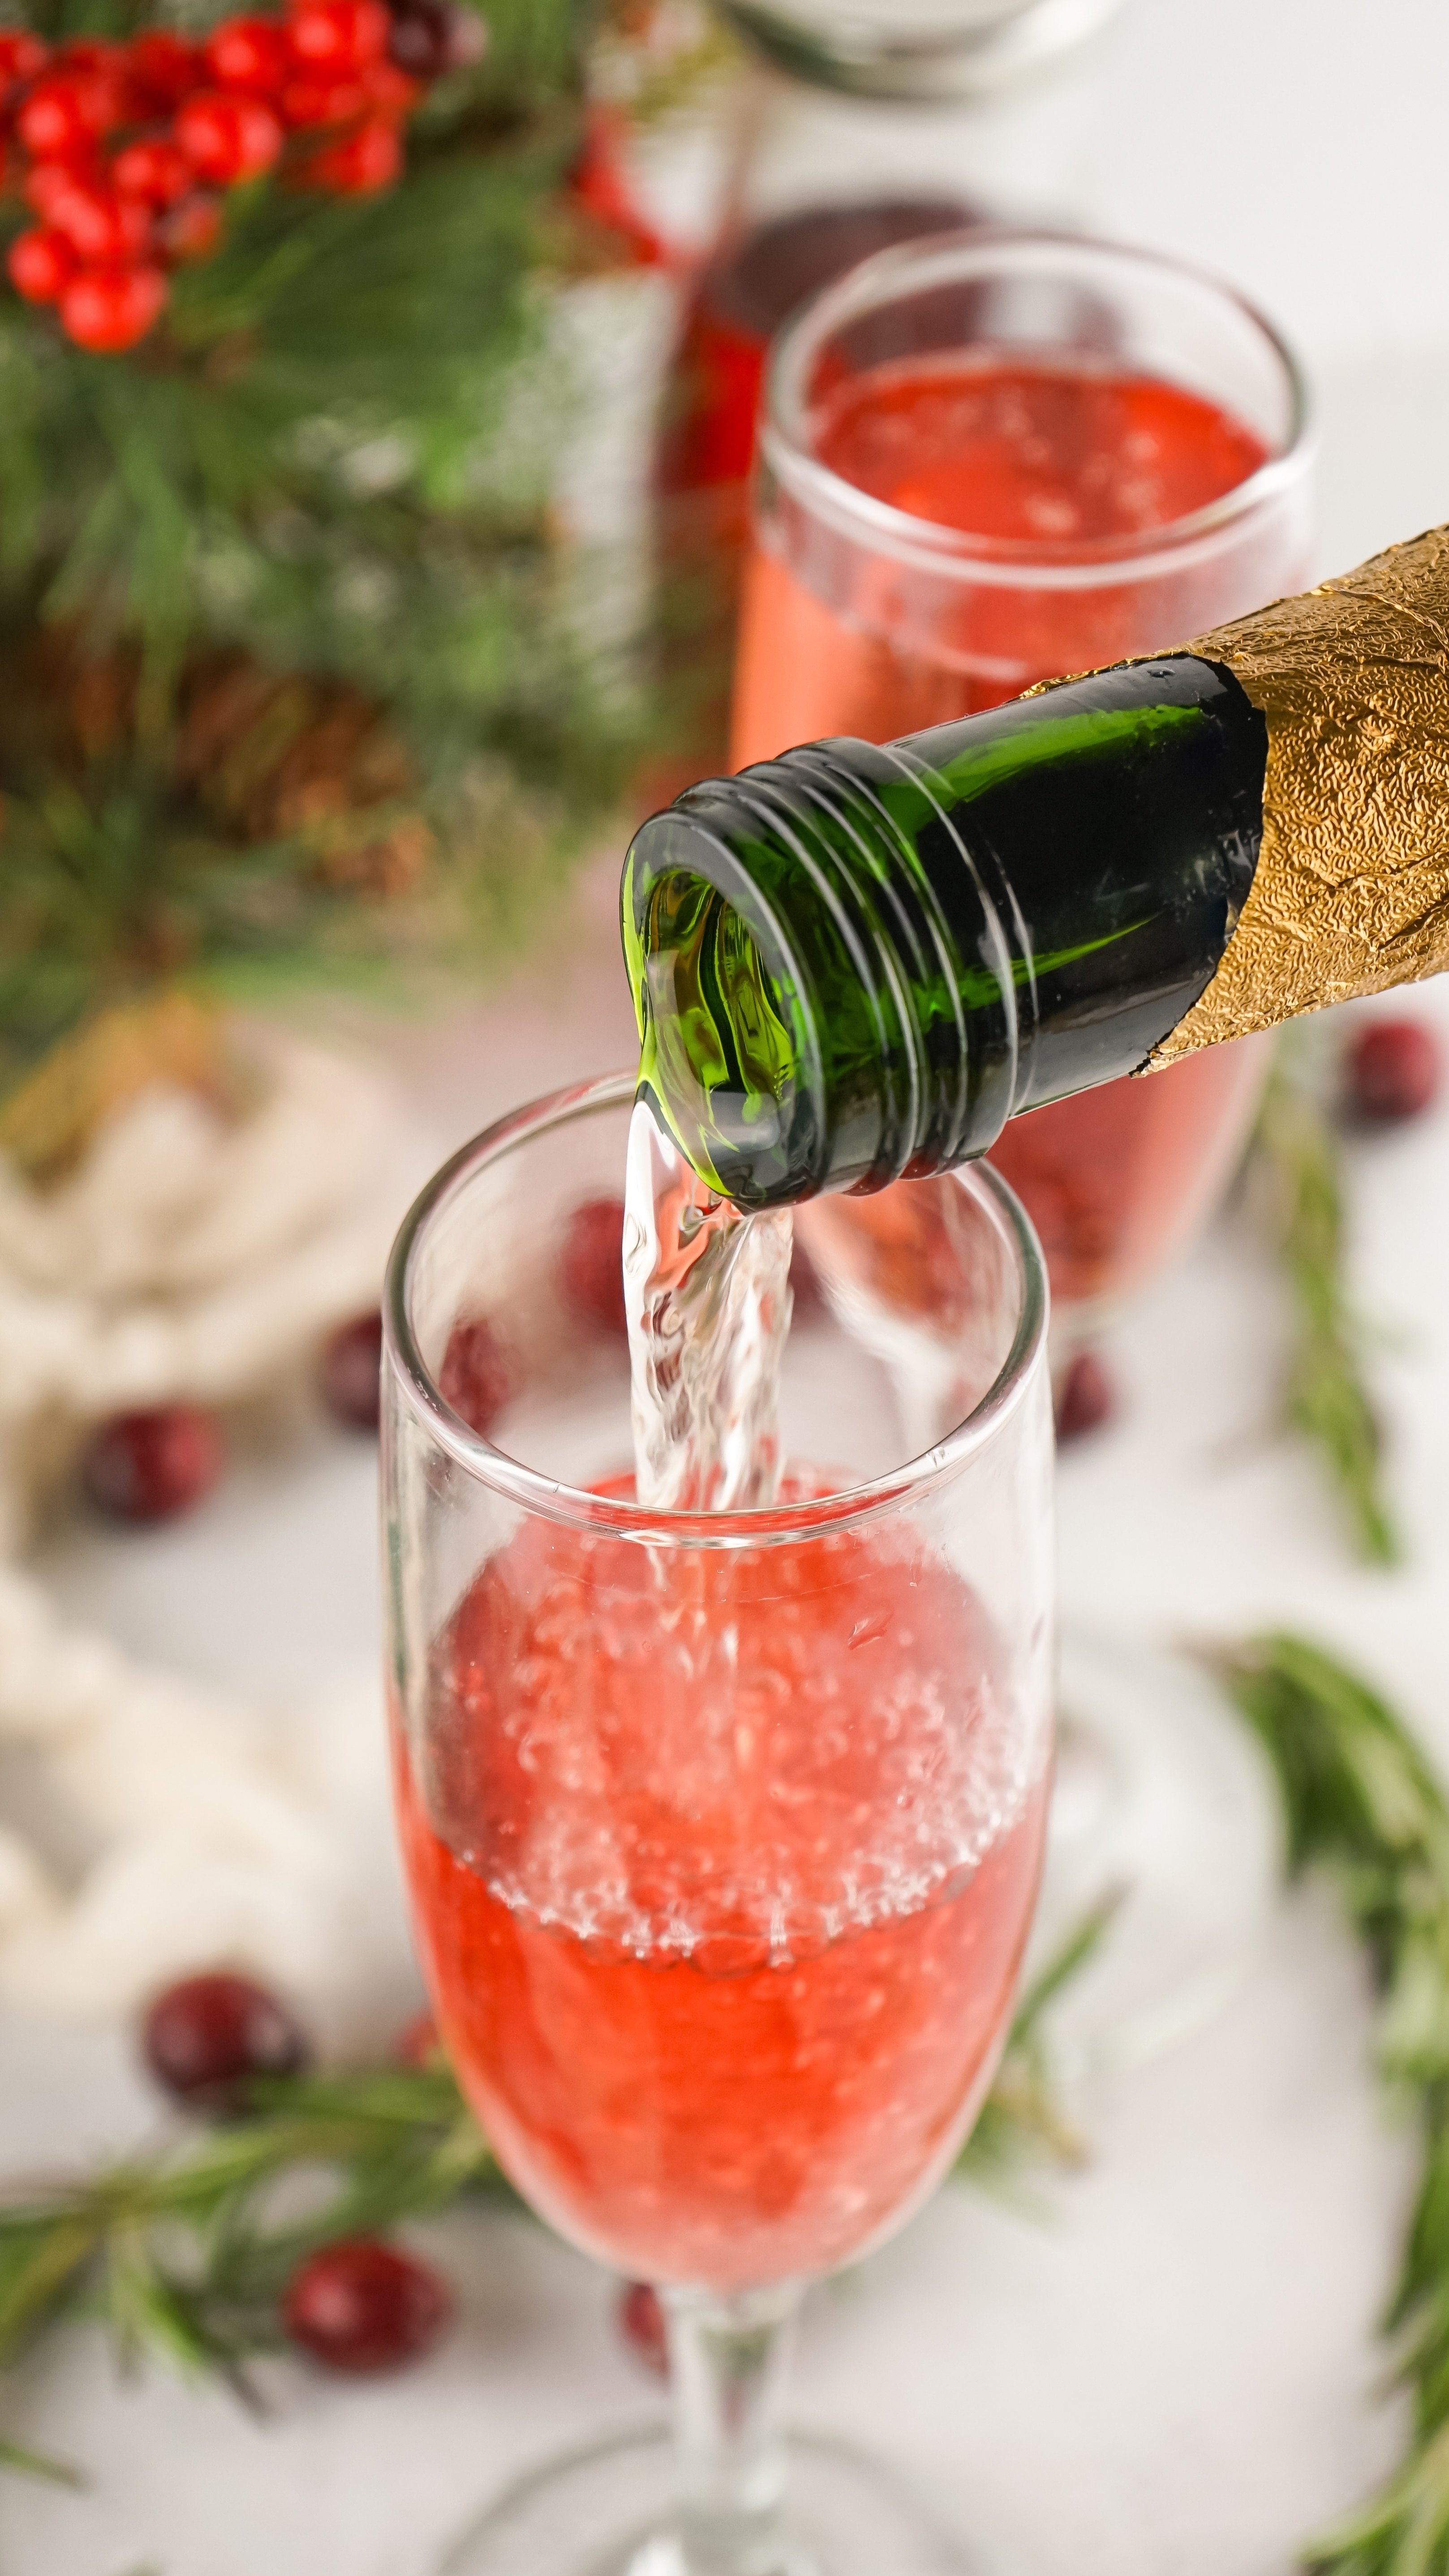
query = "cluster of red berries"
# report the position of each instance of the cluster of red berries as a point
(123, 151)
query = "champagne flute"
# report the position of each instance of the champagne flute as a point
(722, 1830)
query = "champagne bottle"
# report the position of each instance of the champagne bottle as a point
(855, 963)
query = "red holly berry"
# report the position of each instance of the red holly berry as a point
(227, 137)
(338, 36)
(49, 181)
(310, 102)
(146, 1466)
(41, 263)
(349, 1372)
(104, 228)
(361, 163)
(429, 38)
(474, 1377)
(360, 2305)
(22, 57)
(249, 54)
(162, 70)
(1086, 1398)
(190, 231)
(1395, 1068)
(207, 2039)
(592, 1263)
(107, 310)
(639, 2317)
(154, 171)
(65, 112)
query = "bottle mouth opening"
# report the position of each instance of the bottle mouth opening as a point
(1035, 298)
(725, 1029)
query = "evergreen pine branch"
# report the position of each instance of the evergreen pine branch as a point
(1298, 1166)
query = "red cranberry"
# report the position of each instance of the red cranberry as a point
(65, 111)
(474, 1376)
(349, 1372)
(361, 2305)
(1395, 1068)
(319, 99)
(639, 2317)
(207, 2038)
(105, 228)
(109, 309)
(1086, 1398)
(21, 57)
(592, 1263)
(148, 1466)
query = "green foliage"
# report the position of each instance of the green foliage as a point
(1363, 1807)
(332, 461)
(1298, 1165)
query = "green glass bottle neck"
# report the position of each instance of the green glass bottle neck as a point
(855, 963)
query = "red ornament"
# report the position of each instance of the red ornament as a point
(41, 263)
(22, 57)
(154, 171)
(338, 35)
(639, 2317)
(1395, 1068)
(308, 102)
(592, 1263)
(191, 230)
(474, 1377)
(1085, 1399)
(162, 70)
(65, 112)
(104, 228)
(144, 1466)
(349, 1372)
(206, 2039)
(249, 54)
(361, 2306)
(227, 137)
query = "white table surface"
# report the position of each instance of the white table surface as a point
(1169, 2369)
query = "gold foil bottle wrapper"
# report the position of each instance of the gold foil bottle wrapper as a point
(1351, 890)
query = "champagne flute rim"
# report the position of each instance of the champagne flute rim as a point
(617, 1517)
(947, 258)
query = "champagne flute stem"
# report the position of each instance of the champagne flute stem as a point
(728, 2358)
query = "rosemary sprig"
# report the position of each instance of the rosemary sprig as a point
(1297, 1165)
(1362, 1805)
(183, 2255)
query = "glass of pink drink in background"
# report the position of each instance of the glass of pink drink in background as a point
(722, 1830)
(991, 460)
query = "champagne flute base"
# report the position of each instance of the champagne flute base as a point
(608, 2510)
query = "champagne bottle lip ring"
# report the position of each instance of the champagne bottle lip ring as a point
(1024, 263)
(413, 1392)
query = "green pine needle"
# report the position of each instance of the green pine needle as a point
(1363, 1807)
(1297, 1163)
